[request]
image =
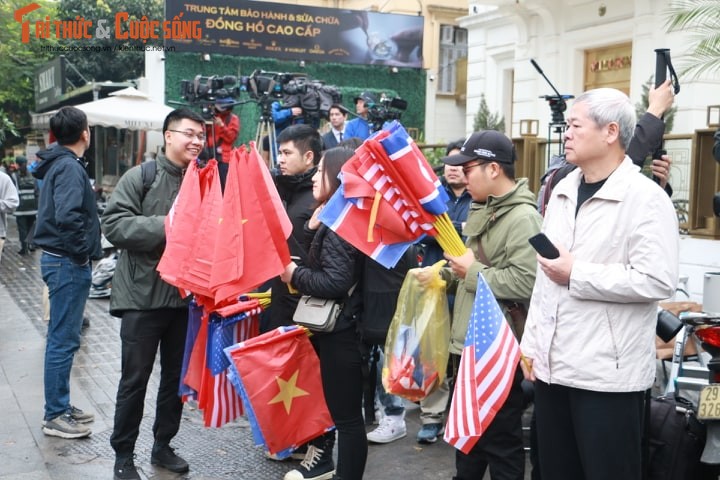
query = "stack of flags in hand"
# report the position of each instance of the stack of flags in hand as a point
(389, 198)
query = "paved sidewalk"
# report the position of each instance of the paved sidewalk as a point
(225, 453)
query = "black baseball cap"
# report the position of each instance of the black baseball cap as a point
(488, 145)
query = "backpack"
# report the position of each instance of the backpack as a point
(27, 193)
(148, 171)
(559, 169)
(381, 287)
(676, 441)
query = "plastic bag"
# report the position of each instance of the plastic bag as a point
(416, 348)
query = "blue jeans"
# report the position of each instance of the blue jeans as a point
(69, 285)
(392, 404)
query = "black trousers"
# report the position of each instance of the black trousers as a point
(501, 446)
(141, 332)
(341, 371)
(588, 435)
(24, 224)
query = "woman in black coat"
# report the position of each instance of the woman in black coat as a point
(331, 270)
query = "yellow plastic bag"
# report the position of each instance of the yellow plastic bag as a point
(416, 348)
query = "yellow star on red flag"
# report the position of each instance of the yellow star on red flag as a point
(288, 391)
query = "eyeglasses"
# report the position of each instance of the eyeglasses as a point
(190, 134)
(467, 168)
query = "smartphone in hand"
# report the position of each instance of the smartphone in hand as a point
(544, 246)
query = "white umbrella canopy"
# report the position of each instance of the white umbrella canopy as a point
(127, 108)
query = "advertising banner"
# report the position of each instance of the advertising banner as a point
(297, 32)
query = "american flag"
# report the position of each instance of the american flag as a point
(223, 403)
(486, 371)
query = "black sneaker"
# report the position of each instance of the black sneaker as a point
(125, 469)
(317, 465)
(166, 458)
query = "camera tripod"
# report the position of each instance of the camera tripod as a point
(557, 125)
(266, 128)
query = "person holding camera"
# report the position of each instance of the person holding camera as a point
(224, 130)
(360, 126)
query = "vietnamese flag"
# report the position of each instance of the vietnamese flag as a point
(251, 236)
(190, 226)
(278, 376)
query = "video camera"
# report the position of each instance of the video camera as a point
(294, 90)
(205, 91)
(387, 109)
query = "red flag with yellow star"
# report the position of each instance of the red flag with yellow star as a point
(250, 243)
(278, 377)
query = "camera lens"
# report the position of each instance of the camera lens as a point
(668, 325)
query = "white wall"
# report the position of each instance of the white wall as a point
(449, 121)
(153, 84)
(698, 256)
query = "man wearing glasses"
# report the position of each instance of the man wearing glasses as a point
(502, 217)
(153, 314)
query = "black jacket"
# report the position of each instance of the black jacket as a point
(67, 219)
(296, 194)
(332, 268)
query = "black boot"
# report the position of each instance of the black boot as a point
(125, 468)
(164, 456)
(318, 463)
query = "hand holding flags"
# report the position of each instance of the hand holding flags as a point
(486, 371)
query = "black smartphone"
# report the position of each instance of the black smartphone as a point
(544, 246)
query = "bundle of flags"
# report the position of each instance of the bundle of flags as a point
(389, 198)
(418, 337)
(487, 367)
(278, 377)
(204, 371)
(221, 245)
(405, 374)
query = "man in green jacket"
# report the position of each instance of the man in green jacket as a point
(153, 314)
(502, 217)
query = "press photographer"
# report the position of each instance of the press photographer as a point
(215, 96)
(287, 99)
(372, 115)
(224, 129)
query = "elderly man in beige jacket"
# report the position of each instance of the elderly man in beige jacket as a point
(590, 332)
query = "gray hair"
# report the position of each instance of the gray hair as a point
(606, 105)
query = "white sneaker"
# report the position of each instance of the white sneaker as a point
(392, 427)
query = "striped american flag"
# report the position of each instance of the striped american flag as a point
(225, 404)
(486, 371)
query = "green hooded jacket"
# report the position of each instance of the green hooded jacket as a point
(503, 226)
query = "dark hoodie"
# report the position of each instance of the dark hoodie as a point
(67, 220)
(296, 194)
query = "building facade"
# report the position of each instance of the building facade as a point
(582, 44)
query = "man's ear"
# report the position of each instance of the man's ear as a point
(613, 132)
(309, 158)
